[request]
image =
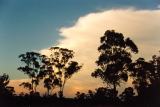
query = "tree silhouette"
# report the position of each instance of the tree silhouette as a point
(80, 96)
(105, 94)
(91, 94)
(5, 90)
(115, 58)
(51, 80)
(63, 67)
(34, 68)
(146, 80)
(141, 73)
(155, 74)
(152, 93)
(101, 94)
(128, 95)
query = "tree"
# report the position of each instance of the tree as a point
(152, 93)
(105, 94)
(115, 58)
(5, 90)
(128, 95)
(34, 68)
(146, 80)
(60, 58)
(80, 96)
(141, 72)
(155, 74)
(51, 80)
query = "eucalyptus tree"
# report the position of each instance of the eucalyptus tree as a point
(34, 68)
(115, 58)
(141, 72)
(64, 68)
(51, 80)
(146, 75)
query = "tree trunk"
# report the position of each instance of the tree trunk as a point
(62, 89)
(114, 87)
(32, 85)
(35, 88)
(115, 92)
(48, 91)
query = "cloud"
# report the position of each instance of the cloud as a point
(142, 26)
(158, 6)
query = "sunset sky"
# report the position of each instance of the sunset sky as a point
(35, 25)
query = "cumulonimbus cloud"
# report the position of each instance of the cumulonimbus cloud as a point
(142, 26)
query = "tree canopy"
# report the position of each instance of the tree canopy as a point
(115, 58)
(60, 58)
(33, 68)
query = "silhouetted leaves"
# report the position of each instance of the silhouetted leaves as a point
(128, 95)
(34, 68)
(26, 85)
(5, 90)
(115, 58)
(60, 61)
(141, 71)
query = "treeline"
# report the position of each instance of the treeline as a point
(54, 70)
(115, 66)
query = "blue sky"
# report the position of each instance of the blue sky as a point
(27, 25)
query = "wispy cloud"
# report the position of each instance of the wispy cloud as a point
(142, 26)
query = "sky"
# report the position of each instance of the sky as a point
(35, 25)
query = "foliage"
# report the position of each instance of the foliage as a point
(51, 79)
(128, 95)
(115, 58)
(60, 59)
(33, 68)
(5, 90)
(80, 96)
(141, 72)
(155, 74)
